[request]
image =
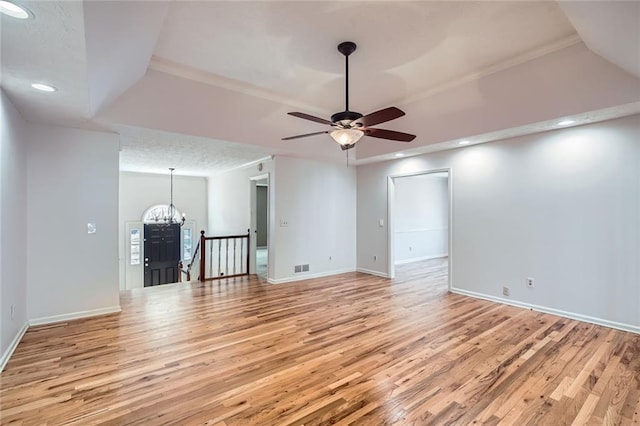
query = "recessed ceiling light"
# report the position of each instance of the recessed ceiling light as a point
(11, 9)
(399, 154)
(464, 143)
(43, 87)
(566, 122)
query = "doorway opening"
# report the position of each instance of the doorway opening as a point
(419, 215)
(260, 225)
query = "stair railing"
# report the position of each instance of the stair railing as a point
(224, 256)
(187, 271)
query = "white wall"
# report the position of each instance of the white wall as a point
(230, 203)
(13, 225)
(139, 191)
(316, 199)
(561, 206)
(229, 199)
(421, 217)
(318, 202)
(72, 179)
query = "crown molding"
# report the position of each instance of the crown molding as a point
(500, 66)
(190, 73)
(590, 117)
(194, 74)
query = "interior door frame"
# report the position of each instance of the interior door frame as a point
(253, 240)
(391, 267)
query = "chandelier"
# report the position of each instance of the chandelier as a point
(170, 217)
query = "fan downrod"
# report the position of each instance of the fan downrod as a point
(351, 120)
(347, 48)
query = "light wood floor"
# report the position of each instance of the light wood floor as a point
(352, 349)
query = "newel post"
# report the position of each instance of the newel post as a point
(248, 249)
(203, 256)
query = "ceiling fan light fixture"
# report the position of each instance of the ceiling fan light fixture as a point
(346, 136)
(350, 126)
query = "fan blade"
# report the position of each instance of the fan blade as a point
(389, 134)
(381, 116)
(310, 117)
(304, 136)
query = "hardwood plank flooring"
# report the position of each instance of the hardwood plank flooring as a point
(349, 349)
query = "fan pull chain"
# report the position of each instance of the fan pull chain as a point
(346, 151)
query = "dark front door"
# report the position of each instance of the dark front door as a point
(161, 254)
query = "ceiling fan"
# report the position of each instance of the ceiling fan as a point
(350, 126)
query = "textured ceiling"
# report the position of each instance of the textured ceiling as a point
(48, 49)
(205, 86)
(153, 151)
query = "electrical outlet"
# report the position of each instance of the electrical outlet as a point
(530, 282)
(505, 291)
(284, 223)
(13, 310)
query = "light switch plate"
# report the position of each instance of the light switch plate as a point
(91, 228)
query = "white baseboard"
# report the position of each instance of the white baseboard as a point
(418, 259)
(302, 277)
(74, 315)
(13, 345)
(372, 272)
(553, 311)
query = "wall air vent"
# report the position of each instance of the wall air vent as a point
(300, 268)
